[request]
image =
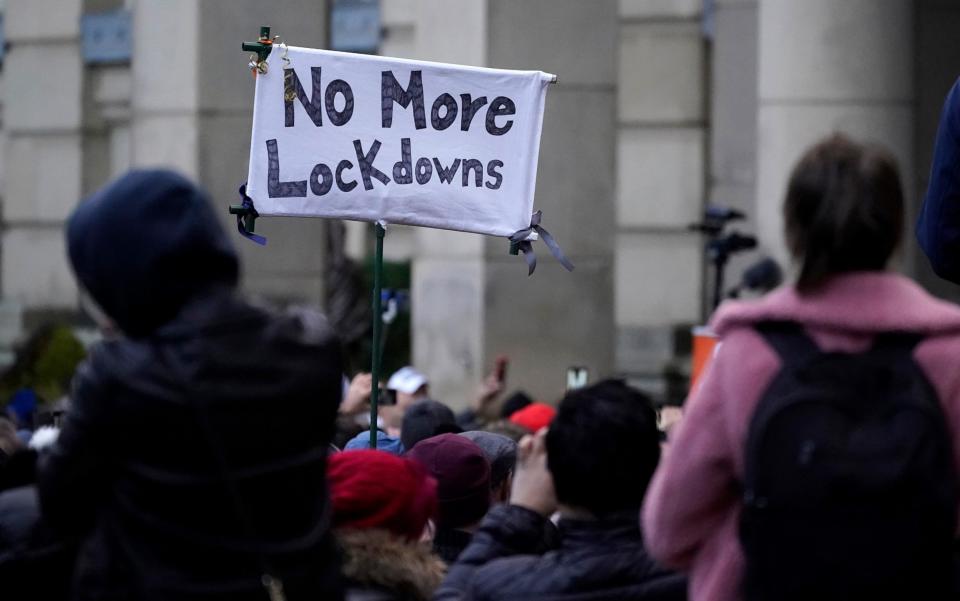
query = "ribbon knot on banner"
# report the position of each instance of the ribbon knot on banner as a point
(520, 238)
(244, 210)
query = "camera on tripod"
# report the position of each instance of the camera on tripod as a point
(721, 244)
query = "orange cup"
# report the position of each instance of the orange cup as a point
(704, 343)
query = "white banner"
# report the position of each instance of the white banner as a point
(368, 138)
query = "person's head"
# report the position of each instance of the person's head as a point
(425, 419)
(843, 210)
(501, 452)
(513, 403)
(603, 447)
(373, 489)
(463, 478)
(534, 416)
(507, 428)
(147, 244)
(409, 385)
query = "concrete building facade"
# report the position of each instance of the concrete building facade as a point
(690, 102)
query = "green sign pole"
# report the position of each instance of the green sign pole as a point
(377, 334)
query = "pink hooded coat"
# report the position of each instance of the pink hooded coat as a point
(691, 514)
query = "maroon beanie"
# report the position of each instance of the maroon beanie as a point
(463, 478)
(374, 489)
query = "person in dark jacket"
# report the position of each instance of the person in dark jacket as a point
(463, 489)
(594, 463)
(35, 563)
(193, 456)
(381, 507)
(938, 226)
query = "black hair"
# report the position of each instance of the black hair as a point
(515, 402)
(603, 447)
(426, 419)
(843, 211)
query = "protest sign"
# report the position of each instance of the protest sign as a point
(377, 139)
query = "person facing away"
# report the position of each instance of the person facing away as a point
(817, 458)
(381, 507)
(193, 456)
(593, 465)
(425, 419)
(463, 489)
(501, 452)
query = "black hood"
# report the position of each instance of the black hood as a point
(145, 245)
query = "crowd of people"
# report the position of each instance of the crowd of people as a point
(212, 448)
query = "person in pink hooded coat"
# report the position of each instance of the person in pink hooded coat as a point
(844, 218)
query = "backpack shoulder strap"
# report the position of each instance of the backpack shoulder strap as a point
(896, 344)
(788, 339)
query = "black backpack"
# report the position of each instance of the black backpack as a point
(849, 484)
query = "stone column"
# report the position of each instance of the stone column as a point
(556, 319)
(43, 118)
(733, 104)
(472, 300)
(448, 324)
(827, 66)
(661, 152)
(192, 109)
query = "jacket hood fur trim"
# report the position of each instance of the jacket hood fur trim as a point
(379, 559)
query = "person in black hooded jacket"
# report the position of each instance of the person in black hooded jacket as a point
(593, 464)
(192, 459)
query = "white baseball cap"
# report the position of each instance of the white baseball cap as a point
(406, 380)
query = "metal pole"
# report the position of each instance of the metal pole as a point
(377, 327)
(720, 265)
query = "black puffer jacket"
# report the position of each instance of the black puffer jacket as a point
(34, 563)
(449, 543)
(602, 559)
(193, 456)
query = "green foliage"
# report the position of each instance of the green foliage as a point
(397, 343)
(55, 365)
(45, 363)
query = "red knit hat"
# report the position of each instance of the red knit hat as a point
(534, 416)
(374, 489)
